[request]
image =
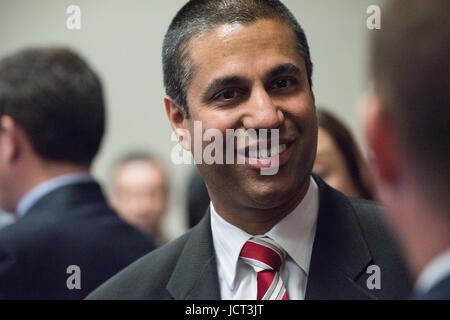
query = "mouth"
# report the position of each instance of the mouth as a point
(268, 155)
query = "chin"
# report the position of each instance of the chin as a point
(267, 201)
(272, 195)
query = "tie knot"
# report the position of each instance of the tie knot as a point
(262, 253)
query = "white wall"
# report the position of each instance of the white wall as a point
(122, 39)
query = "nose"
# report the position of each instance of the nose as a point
(261, 112)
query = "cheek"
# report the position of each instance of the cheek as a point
(210, 123)
(301, 109)
(217, 118)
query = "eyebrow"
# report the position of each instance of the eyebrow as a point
(222, 82)
(283, 69)
(229, 81)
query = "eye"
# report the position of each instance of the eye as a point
(283, 83)
(228, 95)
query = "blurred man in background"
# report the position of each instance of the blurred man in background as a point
(407, 124)
(66, 240)
(140, 192)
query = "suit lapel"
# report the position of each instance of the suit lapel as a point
(195, 274)
(340, 254)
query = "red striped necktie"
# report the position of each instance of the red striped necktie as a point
(265, 256)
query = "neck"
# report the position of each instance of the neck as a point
(422, 230)
(425, 242)
(43, 171)
(257, 221)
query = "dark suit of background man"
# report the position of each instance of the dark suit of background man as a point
(407, 123)
(67, 241)
(246, 64)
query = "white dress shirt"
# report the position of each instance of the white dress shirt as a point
(295, 234)
(436, 271)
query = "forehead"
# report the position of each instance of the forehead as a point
(138, 172)
(237, 47)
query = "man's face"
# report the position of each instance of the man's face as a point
(253, 77)
(140, 194)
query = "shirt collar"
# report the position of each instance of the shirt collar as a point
(228, 242)
(295, 234)
(41, 190)
(434, 272)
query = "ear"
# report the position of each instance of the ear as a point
(9, 139)
(178, 122)
(381, 139)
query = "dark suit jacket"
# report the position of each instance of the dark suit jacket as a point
(72, 225)
(441, 291)
(350, 236)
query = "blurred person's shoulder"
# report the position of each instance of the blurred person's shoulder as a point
(73, 213)
(29, 229)
(146, 278)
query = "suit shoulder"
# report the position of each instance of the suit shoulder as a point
(376, 231)
(18, 235)
(371, 220)
(110, 222)
(145, 278)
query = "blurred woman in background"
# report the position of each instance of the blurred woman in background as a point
(339, 161)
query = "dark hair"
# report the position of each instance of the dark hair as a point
(57, 99)
(135, 156)
(199, 16)
(410, 65)
(347, 146)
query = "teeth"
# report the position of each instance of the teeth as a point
(267, 153)
(276, 150)
(253, 154)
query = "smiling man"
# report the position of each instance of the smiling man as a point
(245, 64)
